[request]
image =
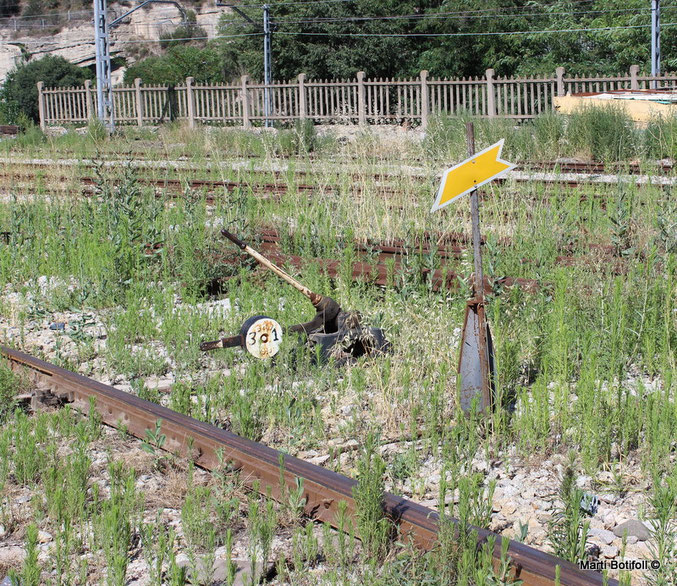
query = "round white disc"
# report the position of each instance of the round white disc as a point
(263, 338)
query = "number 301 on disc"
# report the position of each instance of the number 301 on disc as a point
(262, 336)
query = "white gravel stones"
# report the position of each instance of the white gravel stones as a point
(12, 556)
(602, 536)
(633, 528)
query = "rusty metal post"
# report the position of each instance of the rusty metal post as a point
(478, 283)
(475, 362)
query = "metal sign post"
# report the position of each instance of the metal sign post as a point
(476, 359)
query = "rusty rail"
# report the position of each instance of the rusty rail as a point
(280, 185)
(210, 446)
(664, 167)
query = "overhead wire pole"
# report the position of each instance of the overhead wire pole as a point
(655, 41)
(104, 84)
(104, 87)
(267, 53)
(267, 62)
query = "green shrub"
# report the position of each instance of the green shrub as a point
(20, 92)
(302, 139)
(373, 526)
(205, 65)
(9, 8)
(32, 136)
(660, 138)
(548, 133)
(187, 30)
(445, 137)
(568, 531)
(604, 134)
(9, 384)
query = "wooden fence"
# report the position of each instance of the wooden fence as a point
(361, 101)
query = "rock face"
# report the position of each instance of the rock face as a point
(75, 40)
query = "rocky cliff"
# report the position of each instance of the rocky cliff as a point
(72, 37)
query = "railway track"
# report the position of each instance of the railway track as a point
(262, 468)
(281, 177)
(384, 263)
(665, 167)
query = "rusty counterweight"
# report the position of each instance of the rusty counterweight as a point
(323, 489)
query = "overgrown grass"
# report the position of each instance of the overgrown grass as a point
(585, 363)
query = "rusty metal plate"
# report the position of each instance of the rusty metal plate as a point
(475, 363)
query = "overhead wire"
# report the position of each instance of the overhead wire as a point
(448, 16)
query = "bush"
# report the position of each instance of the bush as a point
(30, 137)
(548, 135)
(19, 95)
(604, 134)
(206, 65)
(445, 137)
(188, 30)
(9, 8)
(302, 139)
(660, 138)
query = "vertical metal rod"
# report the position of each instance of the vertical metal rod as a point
(475, 216)
(267, 61)
(104, 86)
(655, 41)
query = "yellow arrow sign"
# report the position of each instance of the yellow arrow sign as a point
(470, 174)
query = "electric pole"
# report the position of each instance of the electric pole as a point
(655, 41)
(267, 62)
(104, 87)
(102, 28)
(267, 54)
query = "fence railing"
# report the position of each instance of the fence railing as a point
(362, 101)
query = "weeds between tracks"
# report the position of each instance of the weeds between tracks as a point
(587, 363)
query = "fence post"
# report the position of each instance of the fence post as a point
(425, 105)
(139, 102)
(491, 98)
(245, 102)
(190, 102)
(88, 99)
(560, 80)
(41, 106)
(302, 96)
(361, 100)
(634, 83)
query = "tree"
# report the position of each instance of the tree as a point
(206, 65)
(19, 95)
(331, 40)
(386, 38)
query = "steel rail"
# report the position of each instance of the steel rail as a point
(592, 167)
(561, 176)
(262, 467)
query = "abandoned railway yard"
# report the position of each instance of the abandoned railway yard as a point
(129, 455)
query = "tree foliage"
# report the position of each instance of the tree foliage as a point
(206, 64)
(461, 38)
(9, 8)
(19, 95)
